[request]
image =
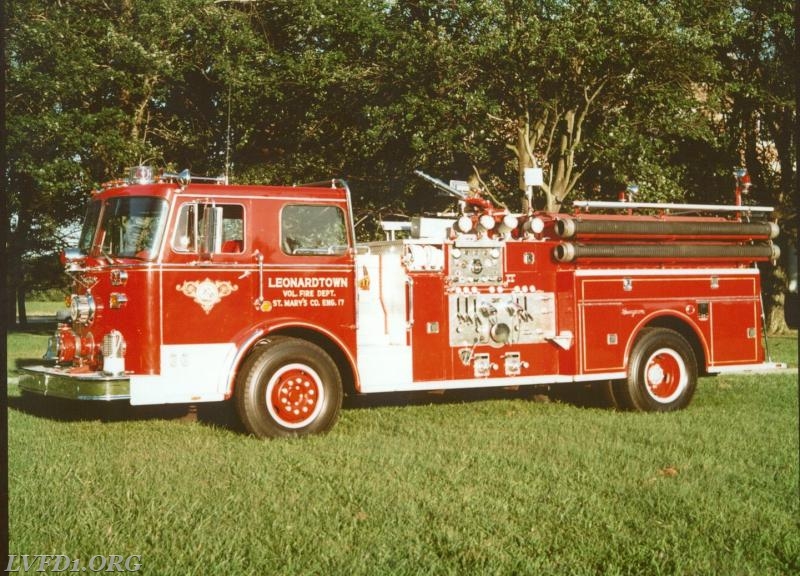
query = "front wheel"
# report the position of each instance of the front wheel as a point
(662, 373)
(288, 387)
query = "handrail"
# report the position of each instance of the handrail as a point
(660, 206)
(332, 183)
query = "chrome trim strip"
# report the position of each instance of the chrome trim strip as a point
(751, 368)
(693, 272)
(427, 385)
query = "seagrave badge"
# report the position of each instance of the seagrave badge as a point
(207, 293)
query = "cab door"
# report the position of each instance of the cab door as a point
(207, 294)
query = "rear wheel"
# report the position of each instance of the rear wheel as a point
(288, 387)
(615, 395)
(662, 373)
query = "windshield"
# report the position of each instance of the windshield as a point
(131, 227)
(89, 227)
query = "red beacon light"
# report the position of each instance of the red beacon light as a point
(140, 175)
(743, 184)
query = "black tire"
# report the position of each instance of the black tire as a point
(288, 387)
(662, 373)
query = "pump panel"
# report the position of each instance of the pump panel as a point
(476, 264)
(499, 319)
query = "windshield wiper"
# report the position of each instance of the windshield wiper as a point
(105, 254)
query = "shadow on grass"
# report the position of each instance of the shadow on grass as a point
(215, 414)
(223, 414)
(581, 395)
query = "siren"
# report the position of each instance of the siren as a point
(114, 353)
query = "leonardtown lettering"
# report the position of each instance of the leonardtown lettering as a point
(307, 282)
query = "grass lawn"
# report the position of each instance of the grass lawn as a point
(500, 486)
(42, 308)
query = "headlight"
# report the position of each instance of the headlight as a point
(118, 277)
(82, 308)
(117, 300)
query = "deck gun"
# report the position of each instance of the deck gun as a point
(459, 194)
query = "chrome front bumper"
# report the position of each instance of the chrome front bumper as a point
(60, 383)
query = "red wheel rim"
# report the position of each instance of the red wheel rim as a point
(665, 375)
(295, 395)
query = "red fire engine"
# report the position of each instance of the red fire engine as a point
(190, 290)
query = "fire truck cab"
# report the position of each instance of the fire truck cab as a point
(190, 290)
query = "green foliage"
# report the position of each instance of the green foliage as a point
(598, 92)
(93, 87)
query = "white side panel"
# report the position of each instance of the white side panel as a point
(384, 368)
(382, 304)
(384, 358)
(189, 373)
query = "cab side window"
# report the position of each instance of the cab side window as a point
(232, 229)
(313, 230)
(194, 225)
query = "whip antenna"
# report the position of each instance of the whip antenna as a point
(228, 136)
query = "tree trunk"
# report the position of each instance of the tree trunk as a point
(16, 284)
(21, 309)
(773, 282)
(17, 247)
(524, 160)
(9, 301)
(532, 140)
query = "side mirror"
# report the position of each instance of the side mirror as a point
(212, 231)
(72, 258)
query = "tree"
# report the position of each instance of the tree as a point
(590, 90)
(91, 88)
(759, 122)
(596, 90)
(46, 134)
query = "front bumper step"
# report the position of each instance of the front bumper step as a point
(60, 383)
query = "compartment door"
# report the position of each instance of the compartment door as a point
(429, 330)
(602, 348)
(734, 331)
